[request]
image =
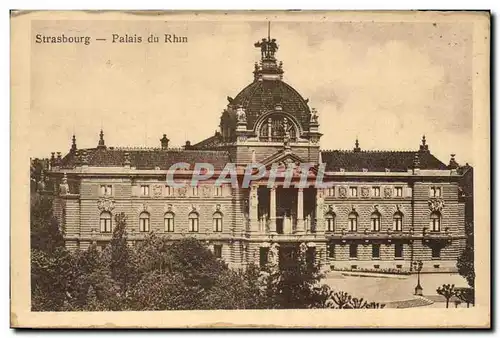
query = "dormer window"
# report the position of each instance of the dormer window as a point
(278, 128)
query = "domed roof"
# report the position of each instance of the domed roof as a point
(262, 96)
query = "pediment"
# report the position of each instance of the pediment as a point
(284, 159)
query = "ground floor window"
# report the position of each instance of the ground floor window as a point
(218, 251)
(398, 250)
(263, 256)
(436, 252)
(331, 250)
(310, 256)
(353, 251)
(375, 250)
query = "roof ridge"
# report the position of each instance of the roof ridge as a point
(368, 151)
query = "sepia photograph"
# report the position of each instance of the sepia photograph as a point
(265, 161)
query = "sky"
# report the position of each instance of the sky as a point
(385, 83)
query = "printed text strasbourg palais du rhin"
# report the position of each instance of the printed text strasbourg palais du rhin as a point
(115, 38)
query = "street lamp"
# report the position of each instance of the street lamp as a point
(417, 265)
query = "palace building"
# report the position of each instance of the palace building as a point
(383, 209)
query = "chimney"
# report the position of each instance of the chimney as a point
(188, 145)
(164, 142)
(356, 149)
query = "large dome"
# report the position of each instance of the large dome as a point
(262, 96)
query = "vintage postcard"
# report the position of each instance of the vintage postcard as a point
(250, 169)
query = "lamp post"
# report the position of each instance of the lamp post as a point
(417, 265)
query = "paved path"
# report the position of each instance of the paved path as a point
(377, 289)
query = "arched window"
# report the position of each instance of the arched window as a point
(398, 221)
(330, 222)
(193, 222)
(169, 222)
(353, 221)
(144, 222)
(105, 221)
(435, 221)
(218, 222)
(375, 221)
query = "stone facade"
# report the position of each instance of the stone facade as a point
(383, 210)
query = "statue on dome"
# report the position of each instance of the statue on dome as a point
(314, 116)
(241, 115)
(267, 47)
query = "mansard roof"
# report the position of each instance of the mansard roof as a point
(210, 142)
(144, 158)
(379, 161)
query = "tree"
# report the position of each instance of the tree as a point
(465, 262)
(447, 291)
(51, 274)
(295, 284)
(51, 264)
(120, 257)
(45, 233)
(466, 295)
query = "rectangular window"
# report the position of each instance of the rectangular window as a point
(438, 192)
(331, 250)
(330, 192)
(169, 191)
(353, 251)
(353, 191)
(218, 191)
(436, 252)
(194, 191)
(376, 191)
(399, 191)
(218, 251)
(263, 254)
(145, 190)
(375, 250)
(435, 192)
(106, 190)
(398, 250)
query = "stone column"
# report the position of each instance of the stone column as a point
(272, 211)
(253, 202)
(300, 211)
(320, 222)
